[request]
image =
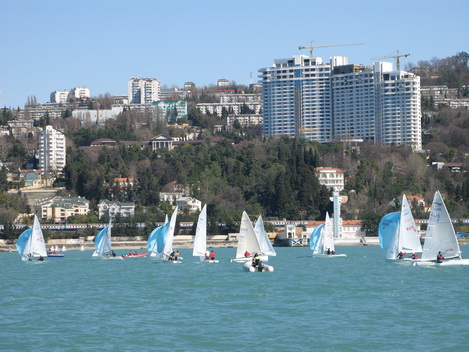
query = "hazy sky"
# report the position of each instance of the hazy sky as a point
(49, 45)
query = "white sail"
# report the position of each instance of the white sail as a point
(328, 236)
(440, 236)
(247, 239)
(263, 238)
(168, 246)
(406, 239)
(200, 239)
(102, 241)
(31, 242)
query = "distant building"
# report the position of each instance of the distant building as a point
(97, 117)
(331, 178)
(169, 110)
(161, 141)
(304, 97)
(51, 151)
(223, 83)
(58, 209)
(31, 177)
(114, 208)
(143, 90)
(191, 204)
(80, 93)
(173, 191)
(20, 128)
(59, 97)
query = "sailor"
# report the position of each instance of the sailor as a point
(171, 256)
(256, 260)
(333, 252)
(439, 257)
(207, 255)
(176, 255)
(400, 255)
(113, 254)
(328, 251)
(247, 254)
(212, 255)
(414, 256)
(41, 258)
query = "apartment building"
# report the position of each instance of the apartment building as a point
(51, 152)
(59, 96)
(331, 178)
(80, 93)
(143, 90)
(59, 209)
(303, 97)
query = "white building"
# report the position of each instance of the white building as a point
(51, 151)
(96, 117)
(58, 209)
(114, 208)
(169, 110)
(80, 92)
(330, 177)
(296, 98)
(143, 90)
(191, 204)
(59, 97)
(303, 97)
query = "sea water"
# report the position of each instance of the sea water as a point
(357, 303)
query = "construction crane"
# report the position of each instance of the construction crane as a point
(311, 47)
(397, 57)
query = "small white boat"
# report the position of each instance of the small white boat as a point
(399, 235)
(31, 244)
(260, 268)
(200, 239)
(440, 238)
(321, 240)
(102, 242)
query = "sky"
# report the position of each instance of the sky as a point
(51, 45)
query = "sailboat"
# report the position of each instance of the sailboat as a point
(248, 242)
(264, 242)
(399, 235)
(102, 243)
(168, 252)
(156, 240)
(321, 240)
(440, 237)
(200, 239)
(31, 243)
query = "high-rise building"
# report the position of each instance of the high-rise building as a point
(143, 90)
(303, 97)
(51, 151)
(80, 92)
(59, 96)
(296, 98)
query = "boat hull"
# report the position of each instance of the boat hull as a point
(264, 258)
(140, 255)
(250, 268)
(56, 255)
(329, 255)
(403, 261)
(450, 262)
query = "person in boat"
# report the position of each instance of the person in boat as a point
(400, 255)
(333, 252)
(328, 251)
(247, 254)
(212, 255)
(256, 260)
(171, 256)
(176, 255)
(439, 257)
(113, 254)
(41, 258)
(414, 256)
(207, 255)
(30, 258)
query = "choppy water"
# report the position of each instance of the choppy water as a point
(358, 303)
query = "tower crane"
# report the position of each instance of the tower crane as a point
(397, 57)
(311, 47)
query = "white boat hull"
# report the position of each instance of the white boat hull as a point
(450, 262)
(329, 255)
(404, 261)
(250, 268)
(264, 258)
